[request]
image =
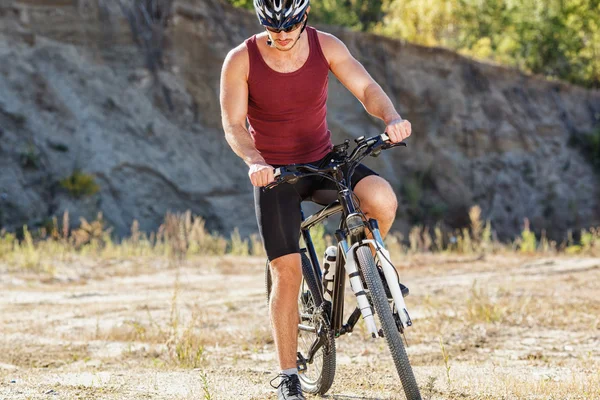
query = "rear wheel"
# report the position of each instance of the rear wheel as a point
(313, 327)
(391, 333)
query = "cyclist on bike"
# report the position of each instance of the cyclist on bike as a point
(273, 104)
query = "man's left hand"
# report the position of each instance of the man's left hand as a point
(398, 130)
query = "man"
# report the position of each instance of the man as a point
(277, 82)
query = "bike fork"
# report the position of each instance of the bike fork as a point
(358, 289)
(390, 273)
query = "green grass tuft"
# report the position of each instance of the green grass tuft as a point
(80, 184)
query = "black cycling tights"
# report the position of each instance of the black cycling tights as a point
(278, 209)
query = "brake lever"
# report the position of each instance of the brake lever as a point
(282, 176)
(390, 145)
(386, 138)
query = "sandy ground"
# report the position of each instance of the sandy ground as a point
(512, 327)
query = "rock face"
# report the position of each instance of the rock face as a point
(74, 95)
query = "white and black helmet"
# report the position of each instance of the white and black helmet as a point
(280, 14)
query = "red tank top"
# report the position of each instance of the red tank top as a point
(287, 111)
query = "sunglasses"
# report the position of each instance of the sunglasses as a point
(286, 30)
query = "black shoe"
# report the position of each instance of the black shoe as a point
(289, 387)
(388, 293)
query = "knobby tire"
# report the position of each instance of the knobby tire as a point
(388, 324)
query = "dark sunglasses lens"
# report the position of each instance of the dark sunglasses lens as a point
(286, 30)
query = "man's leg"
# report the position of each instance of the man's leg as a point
(377, 200)
(279, 218)
(286, 274)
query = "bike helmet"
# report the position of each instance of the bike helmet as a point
(280, 14)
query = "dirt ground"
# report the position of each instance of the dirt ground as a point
(493, 327)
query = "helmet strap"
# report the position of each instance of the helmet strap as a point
(304, 26)
(302, 30)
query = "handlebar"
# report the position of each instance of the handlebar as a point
(364, 147)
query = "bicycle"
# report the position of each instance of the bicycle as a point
(375, 284)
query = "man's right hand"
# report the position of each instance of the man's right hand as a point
(261, 174)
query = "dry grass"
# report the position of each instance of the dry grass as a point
(183, 236)
(491, 321)
(495, 328)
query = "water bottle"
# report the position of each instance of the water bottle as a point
(328, 272)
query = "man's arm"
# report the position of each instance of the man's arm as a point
(358, 81)
(234, 109)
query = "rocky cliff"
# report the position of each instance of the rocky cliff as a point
(75, 96)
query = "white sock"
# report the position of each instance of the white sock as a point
(290, 371)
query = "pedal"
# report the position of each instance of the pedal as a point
(300, 363)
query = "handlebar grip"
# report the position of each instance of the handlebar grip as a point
(385, 137)
(280, 176)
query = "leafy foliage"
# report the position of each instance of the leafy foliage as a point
(80, 184)
(557, 38)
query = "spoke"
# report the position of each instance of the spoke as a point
(307, 330)
(305, 317)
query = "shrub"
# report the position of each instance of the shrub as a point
(80, 184)
(528, 240)
(237, 245)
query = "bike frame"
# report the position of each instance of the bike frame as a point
(357, 236)
(355, 247)
(351, 235)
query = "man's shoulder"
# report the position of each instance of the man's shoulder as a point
(237, 60)
(239, 52)
(327, 39)
(332, 46)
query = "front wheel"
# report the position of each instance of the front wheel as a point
(388, 324)
(313, 327)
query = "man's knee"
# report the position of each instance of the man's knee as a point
(287, 269)
(377, 197)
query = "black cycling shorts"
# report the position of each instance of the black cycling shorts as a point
(278, 209)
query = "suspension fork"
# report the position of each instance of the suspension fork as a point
(351, 266)
(390, 273)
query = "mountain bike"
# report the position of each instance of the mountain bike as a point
(361, 255)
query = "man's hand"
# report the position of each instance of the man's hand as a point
(398, 130)
(261, 174)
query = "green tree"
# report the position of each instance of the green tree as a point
(557, 38)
